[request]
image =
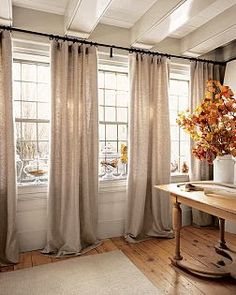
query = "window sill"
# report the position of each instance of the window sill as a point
(30, 191)
(179, 177)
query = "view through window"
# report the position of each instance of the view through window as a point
(113, 123)
(32, 112)
(180, 142)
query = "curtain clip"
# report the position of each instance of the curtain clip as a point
(111, 52)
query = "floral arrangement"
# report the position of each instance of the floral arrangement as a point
(212, 125)
(124, 154)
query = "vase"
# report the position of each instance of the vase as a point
(225, 171)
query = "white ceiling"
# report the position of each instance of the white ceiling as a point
(199, 25)
(52, 6)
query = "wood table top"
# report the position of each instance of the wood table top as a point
(225, 203)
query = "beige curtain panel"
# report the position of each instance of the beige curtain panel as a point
(73, 179)
(200, 72)
(148, 211)
(8, 235)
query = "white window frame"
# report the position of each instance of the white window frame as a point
(180, 71)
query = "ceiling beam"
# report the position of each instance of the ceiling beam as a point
(151, 19)
(82, 16)
(215, 33)
(171, 16)
(6, 13)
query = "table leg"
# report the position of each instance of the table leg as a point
(222, 242)
(177, 224)
(178, 261)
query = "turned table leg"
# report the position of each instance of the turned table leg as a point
(222, 242)
(177, 224)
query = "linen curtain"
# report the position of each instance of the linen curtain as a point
(200, 72)
(148, 211)
(73, 179)
(8, 236)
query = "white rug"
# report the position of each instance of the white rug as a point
(110, 273)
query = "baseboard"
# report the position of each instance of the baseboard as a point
(110, 228)
(32, 240)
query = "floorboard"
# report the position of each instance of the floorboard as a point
(152, 258)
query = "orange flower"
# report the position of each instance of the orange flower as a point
(212, 125)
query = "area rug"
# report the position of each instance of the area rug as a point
(109, 273)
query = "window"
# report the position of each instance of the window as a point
(113, 116)
(31, 97)
(180, 142)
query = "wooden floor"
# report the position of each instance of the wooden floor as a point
(152, 258)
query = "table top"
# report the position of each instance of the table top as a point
(216, 200)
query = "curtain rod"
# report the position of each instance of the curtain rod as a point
(131, 49)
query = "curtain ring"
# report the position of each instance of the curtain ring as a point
(111, 52)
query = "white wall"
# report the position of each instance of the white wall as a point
(32, 213)
(230, 80)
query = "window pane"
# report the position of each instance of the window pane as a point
(174, 130)
(122, 132)
(26, 149)
(43, 131)
(101, 96)
(184, 136)
(110, 80)
(113, 144)
(101, 113)
(43, 111)
(175, 150)
(18, 130)
(122, 82)
(110, 97)
(102, 131)
(43, 92)
(173, 117)
(43, 74)
(101, 79)
(28, 72)
(29, 91)
(29, 110)
(173, 105)
(122, 98)
(122, 115)
(120, 143)
(16, 71)
(101, 145)
(29, 131)
(17, 109)
(17, 91)
(43, 150)
(184, 148)
(183, 103)
(111, 132)
(110, 114)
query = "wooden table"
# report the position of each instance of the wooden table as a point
(224, 207)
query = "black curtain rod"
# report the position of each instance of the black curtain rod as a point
(131, 49)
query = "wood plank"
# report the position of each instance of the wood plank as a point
(205, 285)
(106, 246)
(40, 259)
(161, 259)
(25, 261)
(152, 258)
